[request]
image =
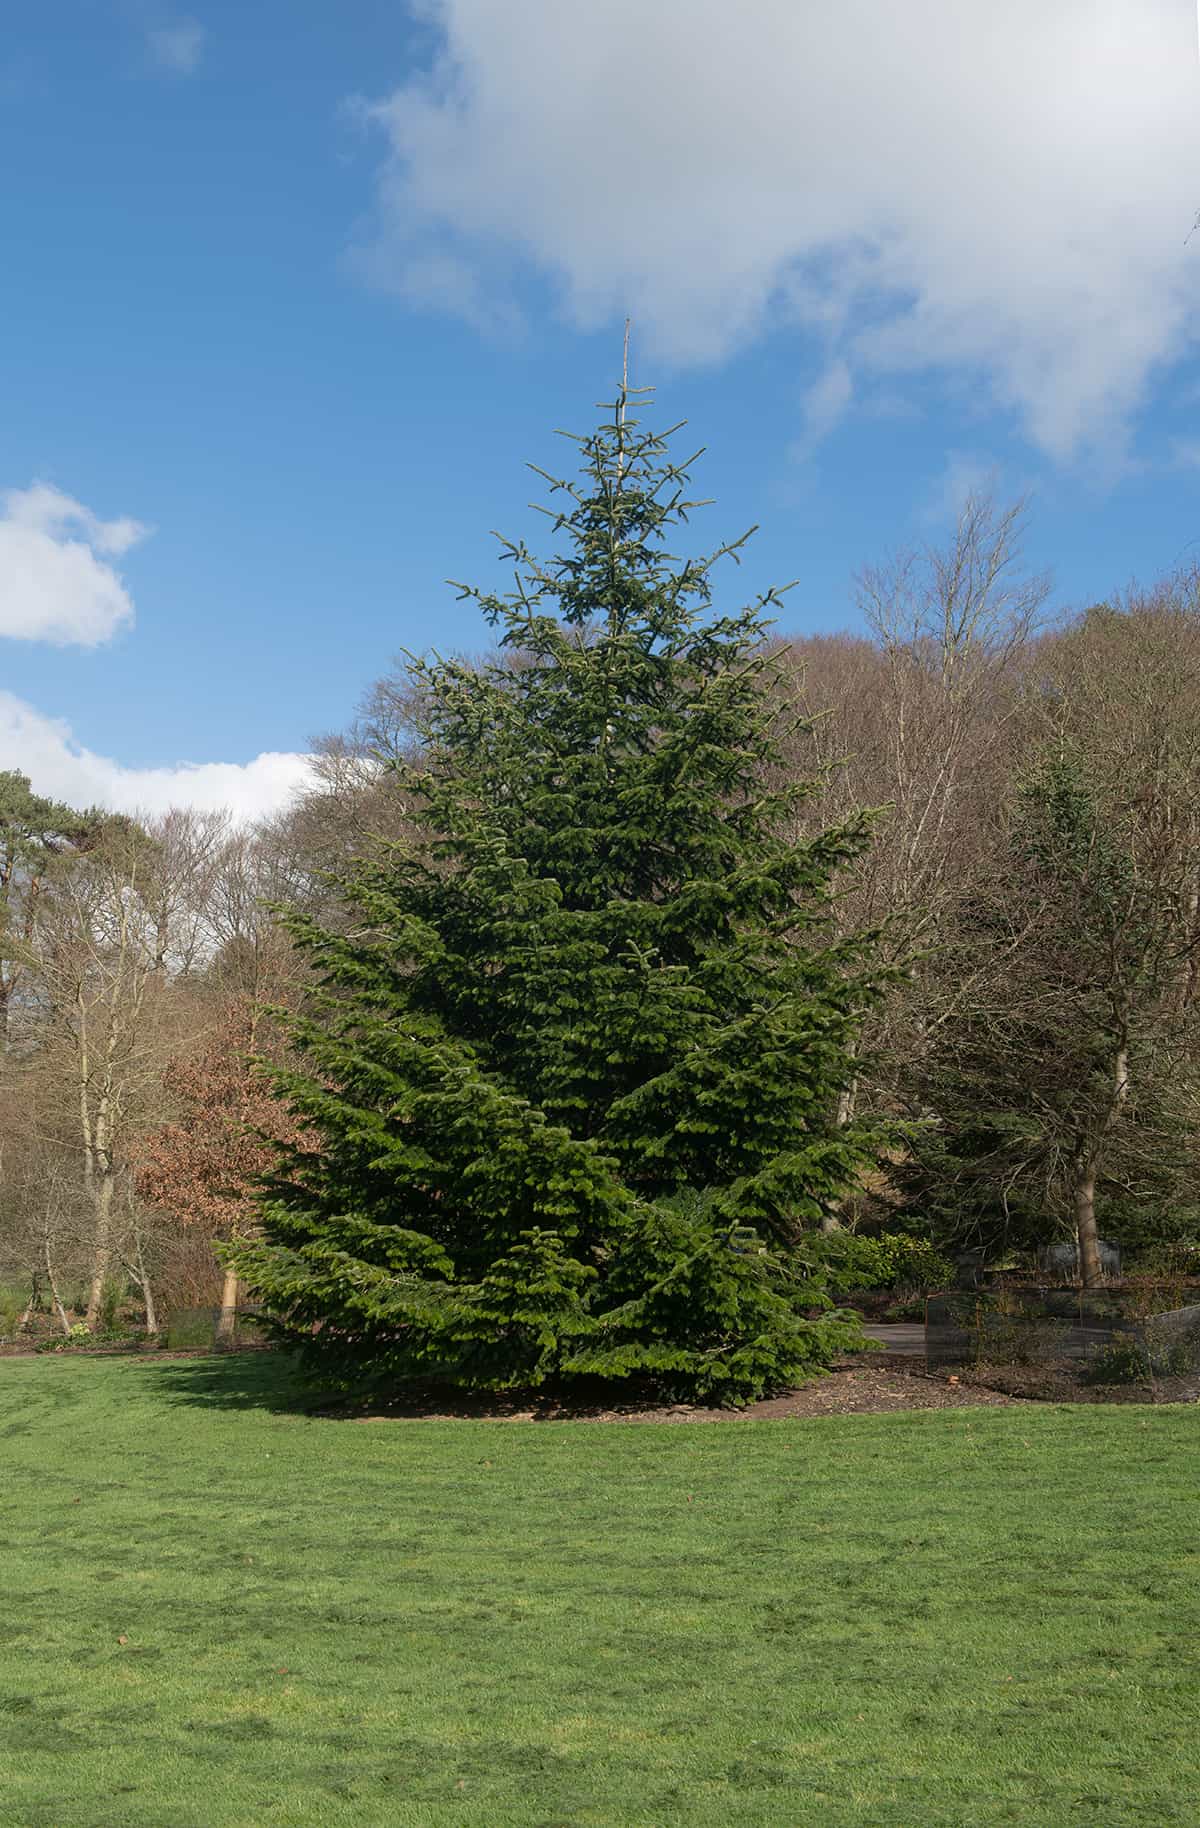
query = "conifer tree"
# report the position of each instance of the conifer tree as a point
(569, 1082)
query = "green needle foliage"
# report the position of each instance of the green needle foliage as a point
(572, 1071)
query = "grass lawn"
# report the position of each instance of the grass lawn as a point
(221, 1613)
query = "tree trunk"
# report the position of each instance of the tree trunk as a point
(102, 1246)
(846, 1104)
(64, 1319)
(142, 1275)
(227, 1323)
(1090, 1273)
(1085, 1224)
(35, 1302)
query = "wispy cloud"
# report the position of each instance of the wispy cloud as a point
(825, 406)
(57, 583)
(998, 191)
(178, 46)
(964, 474)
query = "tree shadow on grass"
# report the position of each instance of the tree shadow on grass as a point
(241, 1380)
(274, 1381)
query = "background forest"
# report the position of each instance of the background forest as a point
(1033, 875)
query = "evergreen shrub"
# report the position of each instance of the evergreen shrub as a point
(856, 1264)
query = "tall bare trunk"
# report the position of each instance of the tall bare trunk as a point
(33, 1304)
(1086, 1162)
(64, 1319)
(101, 1245)
(1085, 1223)
(227, 1322)
(140, 1271)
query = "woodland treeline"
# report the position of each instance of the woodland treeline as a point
(1033, 878)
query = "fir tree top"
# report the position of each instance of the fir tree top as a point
(614, 678)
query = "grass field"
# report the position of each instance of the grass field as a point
(221, 1613)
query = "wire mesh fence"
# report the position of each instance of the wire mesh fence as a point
(1141, 1334)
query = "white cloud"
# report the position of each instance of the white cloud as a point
(1000, 188)
(177, 47)
(44, 749)
(55, 583)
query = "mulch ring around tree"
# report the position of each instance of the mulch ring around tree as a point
(849, 1390)
(853, 1389)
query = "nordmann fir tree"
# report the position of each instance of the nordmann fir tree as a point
(574, 1063)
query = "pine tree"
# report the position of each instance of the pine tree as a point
(573, 1067)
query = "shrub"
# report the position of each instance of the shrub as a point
(111, 1296)
(1124, 1360)
(1177, 1257)
(853, 1264)
(78, 1335)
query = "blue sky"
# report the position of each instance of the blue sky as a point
(295, 289)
